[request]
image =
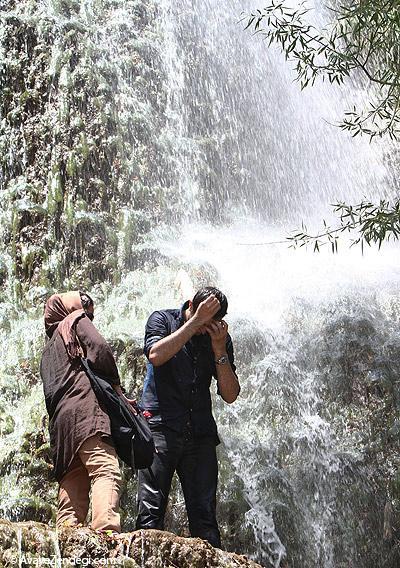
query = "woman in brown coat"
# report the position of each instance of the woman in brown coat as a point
(80, 437)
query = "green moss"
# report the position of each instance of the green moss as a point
(7, 423)
(71, 167)
(55, 191)
(29, 509)
(69, 210)
(395, 486)
(83, 146)
(32, 256)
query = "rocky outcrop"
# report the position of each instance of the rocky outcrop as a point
(27, 544)
(82, 114)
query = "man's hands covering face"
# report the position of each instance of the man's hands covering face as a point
(218, 330)
(206, 310)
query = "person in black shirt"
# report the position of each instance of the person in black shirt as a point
(185, 349)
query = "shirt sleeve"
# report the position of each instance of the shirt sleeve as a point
(157, 328)
(97, 351)
(229, 351)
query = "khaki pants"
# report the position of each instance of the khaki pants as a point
(95, 464)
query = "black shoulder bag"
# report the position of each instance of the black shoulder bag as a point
(130, 431)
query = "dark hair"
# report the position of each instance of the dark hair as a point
(86, 300)
(207, 291)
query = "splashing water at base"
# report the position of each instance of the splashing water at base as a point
(293, 316)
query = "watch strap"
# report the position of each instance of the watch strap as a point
(223, 360)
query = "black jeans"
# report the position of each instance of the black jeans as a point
(195, 461)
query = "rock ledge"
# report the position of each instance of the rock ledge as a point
(36, 544)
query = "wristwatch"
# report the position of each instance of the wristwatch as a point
(223, 360)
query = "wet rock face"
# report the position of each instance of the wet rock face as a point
(79, 136)
(83, 178)
(131, 363)
(26, 543)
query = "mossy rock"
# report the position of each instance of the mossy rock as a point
(24, 542)
(29, 509)
(7, 423)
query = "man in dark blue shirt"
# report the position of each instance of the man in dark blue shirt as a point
(185, 349)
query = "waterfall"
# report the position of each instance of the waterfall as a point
(151, 147)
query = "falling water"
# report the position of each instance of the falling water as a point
(212, 153)
(272, 158)
(19, 541)
(57, 558)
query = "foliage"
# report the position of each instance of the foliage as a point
(374, 223)
(364, 36)
(363, 39)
